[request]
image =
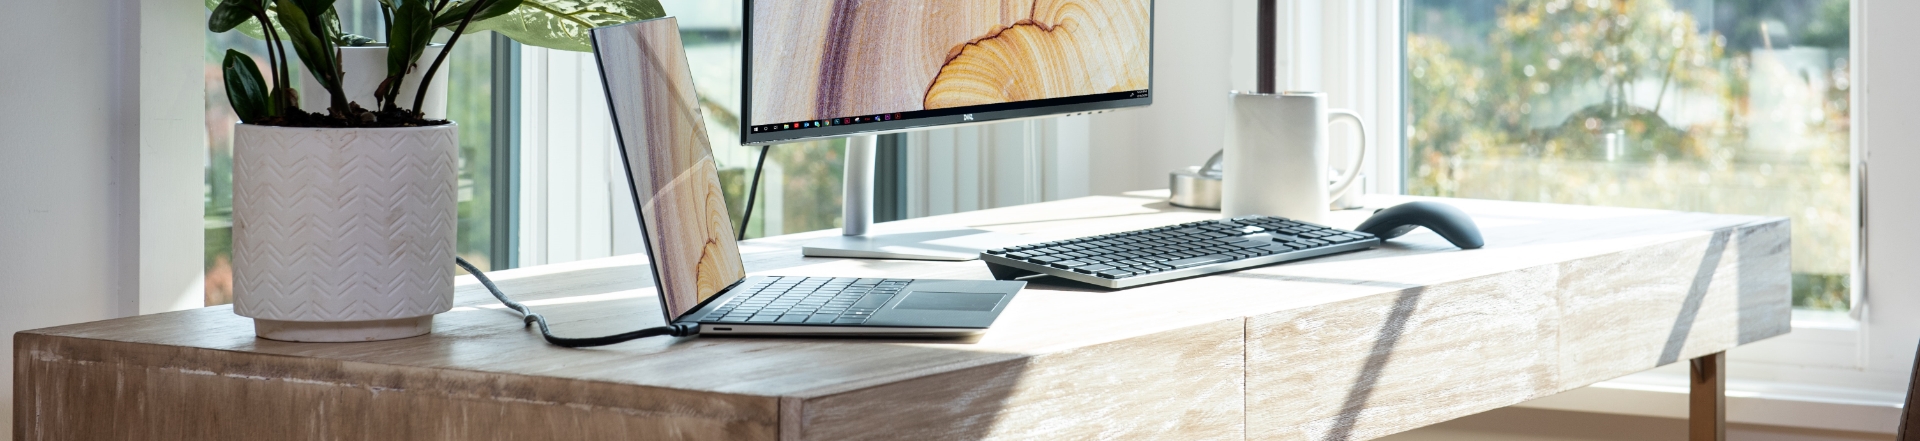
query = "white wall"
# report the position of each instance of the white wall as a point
(100, 169)
(1193, 49)
(1888, 102)
(57, 201)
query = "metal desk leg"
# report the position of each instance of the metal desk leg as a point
(1707, 404)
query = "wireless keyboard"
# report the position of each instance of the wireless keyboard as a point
(1175, 252)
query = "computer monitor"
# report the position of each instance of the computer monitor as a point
(830, 68)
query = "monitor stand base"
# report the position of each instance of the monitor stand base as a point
(948, 245)
(857, 219)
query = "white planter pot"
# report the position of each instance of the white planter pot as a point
(362, 68)
(343, 234)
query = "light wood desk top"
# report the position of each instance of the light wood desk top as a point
(1352, 346)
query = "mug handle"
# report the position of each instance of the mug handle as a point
(1340, 186)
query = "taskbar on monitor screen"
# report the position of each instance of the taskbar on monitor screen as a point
(923, 118)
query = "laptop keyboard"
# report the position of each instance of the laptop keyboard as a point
(815, 300)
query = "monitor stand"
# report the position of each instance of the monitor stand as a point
(920, 244)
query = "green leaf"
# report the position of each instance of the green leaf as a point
(412, 31)
(314, 46)
(355, 40)
(450, 18)
(246, 89)
(250, 28)
(564, 24)
(228, 14)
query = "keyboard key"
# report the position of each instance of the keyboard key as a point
(822, 318)
(1114, 274)
(1070, 264)
(792, 318)
(1090, 269)
(850, 320)
(872, 301)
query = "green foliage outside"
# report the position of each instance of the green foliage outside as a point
(810, 187)
(1715, 106)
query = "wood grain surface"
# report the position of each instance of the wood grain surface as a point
(670, 163)
(1068, 48)
(819, 59)
(1352, 346)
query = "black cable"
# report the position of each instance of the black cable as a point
(529, 317)
(752, 190)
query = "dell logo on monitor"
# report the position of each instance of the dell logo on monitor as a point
(966, 117)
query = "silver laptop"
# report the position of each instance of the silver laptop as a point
(689, 233)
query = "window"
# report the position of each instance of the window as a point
(1726, 106)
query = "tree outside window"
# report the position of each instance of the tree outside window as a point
(1699, 105)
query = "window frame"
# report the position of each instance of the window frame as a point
(1831, 364)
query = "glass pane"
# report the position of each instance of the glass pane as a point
(470, 104)
(800, 191)
(1699, 105)
(469, 95)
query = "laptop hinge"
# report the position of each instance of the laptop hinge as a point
(716, 296)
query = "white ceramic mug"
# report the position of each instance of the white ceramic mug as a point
(1276, 156)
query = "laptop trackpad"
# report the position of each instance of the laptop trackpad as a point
(951, 301)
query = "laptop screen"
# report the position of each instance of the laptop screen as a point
(663, 140)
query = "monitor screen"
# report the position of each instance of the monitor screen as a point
(824, 68)
(663, 140)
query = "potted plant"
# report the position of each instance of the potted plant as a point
(344, 218)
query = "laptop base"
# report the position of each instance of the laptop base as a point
(793, 330)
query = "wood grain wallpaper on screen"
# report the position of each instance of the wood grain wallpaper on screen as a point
(657, 116)
(828, 58)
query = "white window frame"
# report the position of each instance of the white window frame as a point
(1834, 371)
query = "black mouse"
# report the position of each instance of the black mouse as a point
(1449, 222)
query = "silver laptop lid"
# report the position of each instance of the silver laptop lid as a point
(676, 184)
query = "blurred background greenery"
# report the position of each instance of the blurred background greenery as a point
(1725, 106)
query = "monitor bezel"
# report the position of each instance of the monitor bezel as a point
(978, 114)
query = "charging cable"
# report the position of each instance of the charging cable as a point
(529, 317)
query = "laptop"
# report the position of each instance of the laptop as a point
(689, 233)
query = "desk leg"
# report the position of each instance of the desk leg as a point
(1707, 404)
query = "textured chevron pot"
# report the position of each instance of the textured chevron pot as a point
(343, 234)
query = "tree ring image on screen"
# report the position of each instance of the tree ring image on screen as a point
(826, 59)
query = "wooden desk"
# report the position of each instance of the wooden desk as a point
(1346, 347)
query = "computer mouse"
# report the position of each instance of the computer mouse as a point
(1449, 222)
